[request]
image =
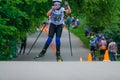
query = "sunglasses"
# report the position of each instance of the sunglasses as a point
(57, 4)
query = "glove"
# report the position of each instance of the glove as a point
(53, 7)
(66, 3)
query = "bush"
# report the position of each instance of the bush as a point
(7, 36)
(113, 33)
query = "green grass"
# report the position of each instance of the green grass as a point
(79, 32)
(118, 58)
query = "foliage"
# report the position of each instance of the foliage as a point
(7, 36)
(101, 13)
(17, 18)
(20, 17)
(113, 33)
(103, 16)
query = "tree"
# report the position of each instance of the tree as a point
(18, 17)
(101, 13)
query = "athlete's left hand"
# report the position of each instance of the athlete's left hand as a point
(66, 3)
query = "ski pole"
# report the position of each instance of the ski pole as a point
(36, 39)
(70, 39)
(66, 3)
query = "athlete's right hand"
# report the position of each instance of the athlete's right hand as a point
(53, 7)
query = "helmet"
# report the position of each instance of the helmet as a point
(92, 37)
(57, 0)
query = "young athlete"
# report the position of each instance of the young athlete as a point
(56, 26)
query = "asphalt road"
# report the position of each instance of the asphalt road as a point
(22, 70)
(79, 50)
(46, 68)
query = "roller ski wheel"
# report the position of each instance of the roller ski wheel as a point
(38, 56)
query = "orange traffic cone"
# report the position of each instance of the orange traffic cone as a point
(80, 59)
(52, 44)
(89, 57)
(53, 47)
(64, 28)
(106, 56)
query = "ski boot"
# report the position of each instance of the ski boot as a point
(59, 59)
(40, 55)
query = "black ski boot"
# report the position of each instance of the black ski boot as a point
(42, 53)
(59, 59)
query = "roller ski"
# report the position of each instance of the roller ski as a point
(59, 59)
(40, 55)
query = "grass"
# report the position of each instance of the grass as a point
(79, 32)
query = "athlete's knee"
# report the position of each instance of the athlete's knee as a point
(57, 40)
(49, 40)
(51, 35)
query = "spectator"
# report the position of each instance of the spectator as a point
(112, 48)
(23, 46)
(93, 48)
(96, 39)
(76, 23)
(103, 47)
(86, 31)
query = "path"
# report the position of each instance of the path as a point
(79, 50)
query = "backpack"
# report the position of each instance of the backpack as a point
(103, 45)
(70, 19)
(92, 43)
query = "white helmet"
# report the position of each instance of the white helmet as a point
(57, 0)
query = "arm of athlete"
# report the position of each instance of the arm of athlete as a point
(49, 13)
(68, 10)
